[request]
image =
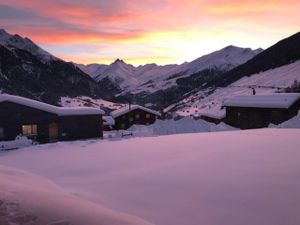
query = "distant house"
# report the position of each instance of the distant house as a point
(46, 123)
(258, 111)
(133, 114)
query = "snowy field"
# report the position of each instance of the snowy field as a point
(219, 178)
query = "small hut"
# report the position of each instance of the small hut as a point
(259, 111)
(47, 123)
(127, 116)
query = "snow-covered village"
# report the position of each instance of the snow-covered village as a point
(149, 112)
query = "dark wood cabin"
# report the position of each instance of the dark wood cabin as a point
(258, 111)
(47, 123)
(134, 114)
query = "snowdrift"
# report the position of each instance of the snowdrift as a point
(184, 125)
(216, 178)
(29, 199)
(19, 142)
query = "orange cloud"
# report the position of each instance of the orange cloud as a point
(171, 29)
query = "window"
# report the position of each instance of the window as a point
(147, 115)
(1, 132)
(29, 130)
(131, 119)
(137, 116)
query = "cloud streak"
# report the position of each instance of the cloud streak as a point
(173, 30)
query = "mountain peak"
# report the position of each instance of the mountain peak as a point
(233, 48)
(18, 42)
(119, 61)
(3, 32)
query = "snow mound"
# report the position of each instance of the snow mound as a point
(184, 125)
(19, 142)
(26, 198)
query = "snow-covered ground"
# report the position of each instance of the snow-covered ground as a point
(27, 199)
(88, 101)
(220, 178)
(265, 83)
(19, 142)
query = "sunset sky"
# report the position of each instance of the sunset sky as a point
(144, 31)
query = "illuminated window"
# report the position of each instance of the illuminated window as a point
(131, 119)
(1, 132)
(147, 116)
(137, 116)
(29, 130)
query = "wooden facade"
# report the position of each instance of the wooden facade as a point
(259, 117)
(45, 126)
(135, 116)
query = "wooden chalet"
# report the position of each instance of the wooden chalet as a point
(47, 123)
(259, 111)
(133, 114)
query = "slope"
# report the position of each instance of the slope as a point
(209, 101)
(27, 70)
(284, 52)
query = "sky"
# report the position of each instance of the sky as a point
(148, 31)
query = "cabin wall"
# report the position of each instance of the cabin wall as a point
(136, 116)
(80, 127)
(248, 118)
(293, 111)
(13, 116)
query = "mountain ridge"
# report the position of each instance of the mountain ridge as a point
(28, 70)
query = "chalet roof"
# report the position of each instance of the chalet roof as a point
(60, 111)
(214, 115)
(108, 120)
(280, 100)
(124, 110)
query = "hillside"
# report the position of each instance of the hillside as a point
(209, 101)
(282, 53)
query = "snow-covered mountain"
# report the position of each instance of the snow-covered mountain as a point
(16, 41)
(28, 70)
(152, 77)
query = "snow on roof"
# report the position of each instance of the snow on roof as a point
(215, 115)
(108, 120)
(282, 100)
(60, 111)
(124, 110)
